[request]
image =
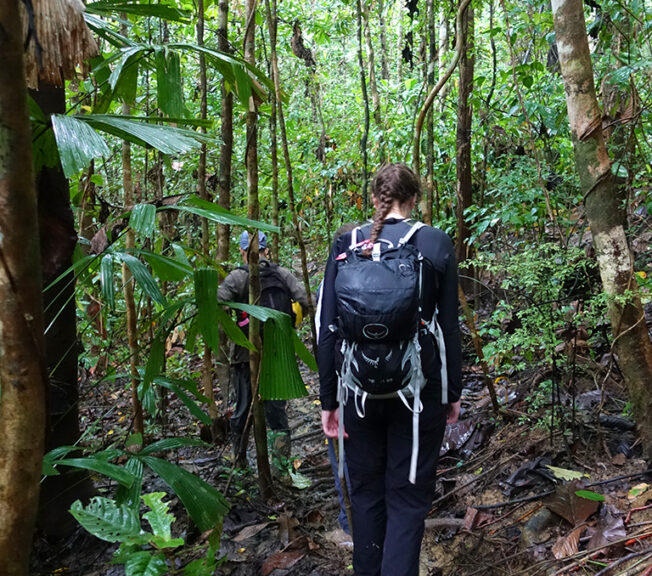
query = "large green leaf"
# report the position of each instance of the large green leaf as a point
(164, 11)
(146, 563)
(77, 142)
(142, 277)
(205, 505)
(113, 471)
(167, 444)
(168, 82)
(107, 521)
(177, 386)
(207, 307)
(216, 213)
(158, 517)
(155, 360)
(106, 280)
(143, 219)
(303, 353)
(131, 496)
(167, 139)
(167, 269)
(232, 330)
(279, 373)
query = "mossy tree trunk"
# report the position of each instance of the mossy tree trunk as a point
(463, 139)
(22, 363)
(604, 201)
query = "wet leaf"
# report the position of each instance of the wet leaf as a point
(456, 435)
(569, 544)
(567, 504)
(610, 529)
(281, 561)
(568, 475)
(249, 532)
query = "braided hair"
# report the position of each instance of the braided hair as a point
(393, 182)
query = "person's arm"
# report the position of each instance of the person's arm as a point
(327, 338)
(448, 306)
(297, 289)
(233, 287)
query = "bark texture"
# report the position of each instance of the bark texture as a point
(604, 200)
(463, 138)
(22, 373)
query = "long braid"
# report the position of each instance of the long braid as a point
(393, 182)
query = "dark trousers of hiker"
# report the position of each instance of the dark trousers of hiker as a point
(275, 414)
(388, 512)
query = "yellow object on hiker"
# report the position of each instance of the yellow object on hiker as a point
(298, 314)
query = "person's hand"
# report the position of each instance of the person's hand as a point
(452, 412)
(330, 422)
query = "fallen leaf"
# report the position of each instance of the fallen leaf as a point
(567, 504)
(282, 561)
(249, 531)
(619, 459)
(564, 474)
(637, 490)
(569, 544)
(286, 526)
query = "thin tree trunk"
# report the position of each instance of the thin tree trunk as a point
(430, 62)
(273, 122)
(224, 181)
(128, 286)
(373, 88)
(22, 369)
(253, 211)
(463, 139)
(604, 200)
(272, 23)
(365, 99)
(384, 52)
(443, 49)
(207, 360)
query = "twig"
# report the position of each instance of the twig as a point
(608, 569)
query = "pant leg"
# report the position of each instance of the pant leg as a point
(276, 415)
(408, 504)
(366, 453)
(342, 517)
(240, 381)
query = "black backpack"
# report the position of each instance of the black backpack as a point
(274, 293)
(386, 349)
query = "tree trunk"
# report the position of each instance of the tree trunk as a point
(207, 360)
(253, 211)
(429, 69)
(224, 181)
(22, 368)
(58, 240)
(272, 24)
(128, 283)
(373, 88)
(604, 201)
(365, 99)
(443, 48)
(463, 139)
(273, 137)
(384, 52)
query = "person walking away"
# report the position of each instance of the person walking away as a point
(413, 349)
(278, 288)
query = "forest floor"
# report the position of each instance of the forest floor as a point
(506, 500)
(499, 508)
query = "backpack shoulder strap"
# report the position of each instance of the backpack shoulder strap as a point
(416, 226)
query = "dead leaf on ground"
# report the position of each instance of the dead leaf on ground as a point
(619, 459)
(610, 528)
(281, 561)
(568, 545)
(249, 531)
(286, 526)
(474, 518)
(565, 503)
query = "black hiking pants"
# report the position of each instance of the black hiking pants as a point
(388, 512)
(275, 414)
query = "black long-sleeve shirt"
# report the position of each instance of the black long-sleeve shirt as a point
(435, 246)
